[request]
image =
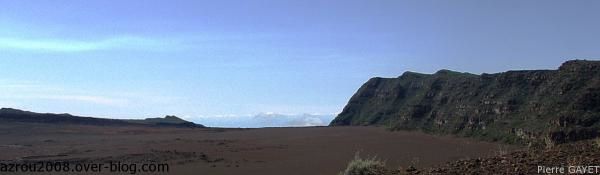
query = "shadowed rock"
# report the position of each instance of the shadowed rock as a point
(529, 106)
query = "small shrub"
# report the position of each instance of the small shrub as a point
(597, 142)
(502, 150)
(368, 166)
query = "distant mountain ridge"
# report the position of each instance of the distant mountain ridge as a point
(528, 106)
(267, 119)
(16, 115)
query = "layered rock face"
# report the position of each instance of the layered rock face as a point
(532, 106)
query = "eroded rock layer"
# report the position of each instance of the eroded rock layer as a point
(531, 106)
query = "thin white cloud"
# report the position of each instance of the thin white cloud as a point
(99, 100)
(88, 99)
(11, 90)
(61, 45)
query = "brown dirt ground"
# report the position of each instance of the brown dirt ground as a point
(266, 151)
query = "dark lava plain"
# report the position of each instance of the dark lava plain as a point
(312, 150)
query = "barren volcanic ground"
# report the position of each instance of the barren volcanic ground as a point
(302, 151)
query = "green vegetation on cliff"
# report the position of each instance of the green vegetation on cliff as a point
(537, 106)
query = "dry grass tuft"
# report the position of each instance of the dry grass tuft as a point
(368, 166)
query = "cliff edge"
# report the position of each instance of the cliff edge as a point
(529, 106)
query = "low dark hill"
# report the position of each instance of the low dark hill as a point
(168, 120)
(15, 115)
(531, 106)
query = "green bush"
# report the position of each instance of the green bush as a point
(368, 166)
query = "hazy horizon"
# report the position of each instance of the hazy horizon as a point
(202, 60)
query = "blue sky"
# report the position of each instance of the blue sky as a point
(208, 59)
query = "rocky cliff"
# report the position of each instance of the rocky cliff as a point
(531, 106)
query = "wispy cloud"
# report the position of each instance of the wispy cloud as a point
(88, 99)
(92, 99)
(24, 90)
(65, 45)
